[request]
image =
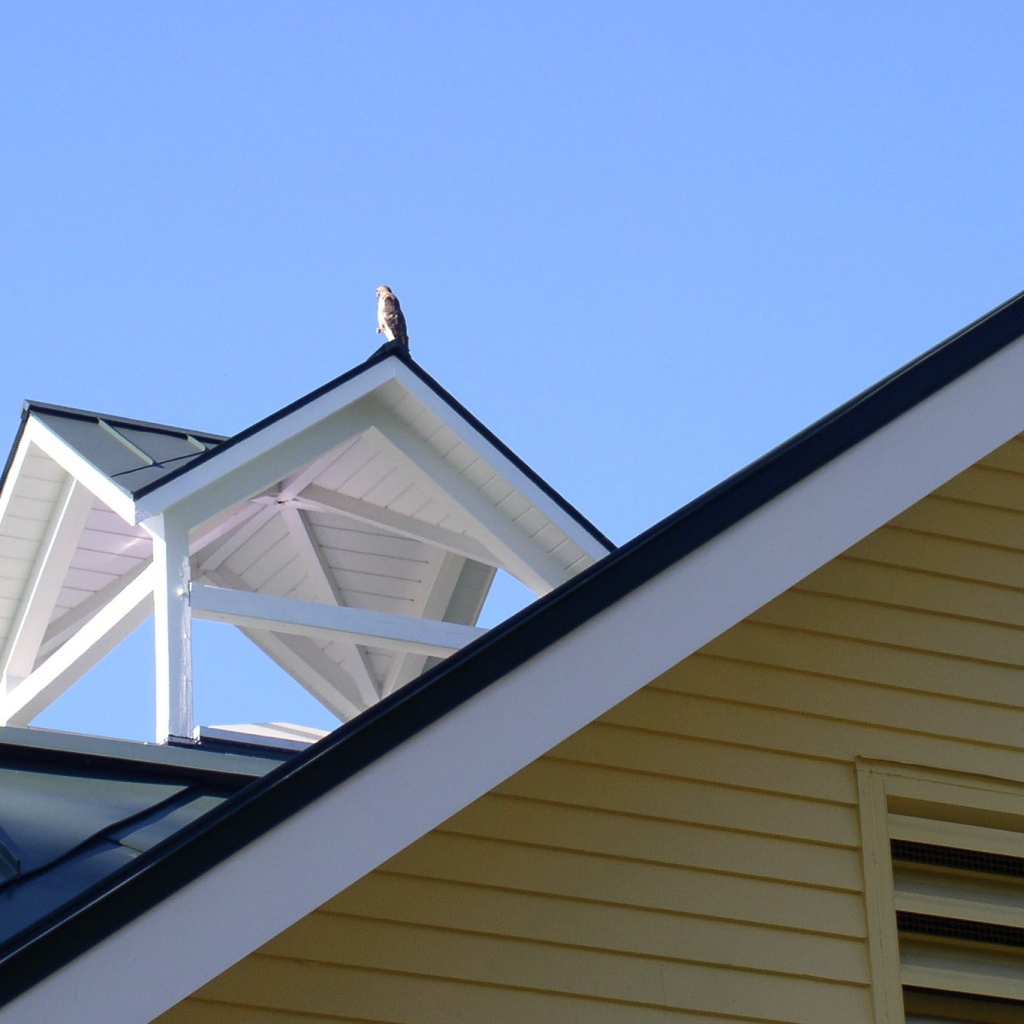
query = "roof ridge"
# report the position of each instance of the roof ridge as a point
(30, 406)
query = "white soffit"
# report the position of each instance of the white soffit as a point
(341, 836)
(58, 549)
(441, 426)
(378, 494)
(387, 394)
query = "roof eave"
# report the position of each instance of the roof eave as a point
(785, 472)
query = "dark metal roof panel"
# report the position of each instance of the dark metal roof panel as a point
(76, 810)
(23, 905)
(47, 813)
(133, 453)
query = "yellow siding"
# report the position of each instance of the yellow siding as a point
(694, 856)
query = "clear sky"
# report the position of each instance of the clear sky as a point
(643, 242)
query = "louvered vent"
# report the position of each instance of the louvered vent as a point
(959, 897)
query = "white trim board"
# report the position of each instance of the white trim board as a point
(226, 459)
(501, 463)
(72, 462)
(466, 753)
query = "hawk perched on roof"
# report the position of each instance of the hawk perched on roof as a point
(390, 319)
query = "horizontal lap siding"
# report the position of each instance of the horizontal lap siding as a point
(693, 855)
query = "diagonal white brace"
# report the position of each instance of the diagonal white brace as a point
(320, 499)
(44, 586)
(100, 635)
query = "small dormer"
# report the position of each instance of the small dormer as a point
(353, 536)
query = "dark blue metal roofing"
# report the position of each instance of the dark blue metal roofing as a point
(75, 811)
(132, 453)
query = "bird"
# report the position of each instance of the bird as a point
(390, 318)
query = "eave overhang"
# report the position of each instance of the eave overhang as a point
(453, 734)
(377, 494)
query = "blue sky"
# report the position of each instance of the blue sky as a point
(643, 242)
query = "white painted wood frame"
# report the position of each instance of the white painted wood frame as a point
(519, 555)
(172, 627)
(320, 499)
(329, 622)
(92, 642)
(44, 585)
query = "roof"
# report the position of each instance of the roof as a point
(377, 493)
(75, 811)
(134, 453)
(400, 352)
(452, 734)
(142, 456)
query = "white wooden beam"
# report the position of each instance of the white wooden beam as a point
(96, 638)
(61, 629)
(330, 683)
(329, 592)
(313, 561)
(520, 555)
(443, 573)
(307, 664)
(213, 560)
(80, 468)
(213, 531)
(172, 628)
(327, 502)
(309, 618)
(44, 586)
(291, 485)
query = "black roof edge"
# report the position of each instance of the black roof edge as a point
(285, 790)
(401, 352)
(14, 447)
(31, 405)
(92, 762)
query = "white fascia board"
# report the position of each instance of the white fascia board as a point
(21, 453)
(216, 468)
(71, 461)
(500, 463)
(161, 957)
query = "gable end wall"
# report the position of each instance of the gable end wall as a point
(694, 855)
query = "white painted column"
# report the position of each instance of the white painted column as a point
(172, 618)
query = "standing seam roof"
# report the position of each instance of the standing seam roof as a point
(296, 783)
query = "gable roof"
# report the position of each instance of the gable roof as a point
(377, 496)
(390, 350)
(135, 454)
(399, 769)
